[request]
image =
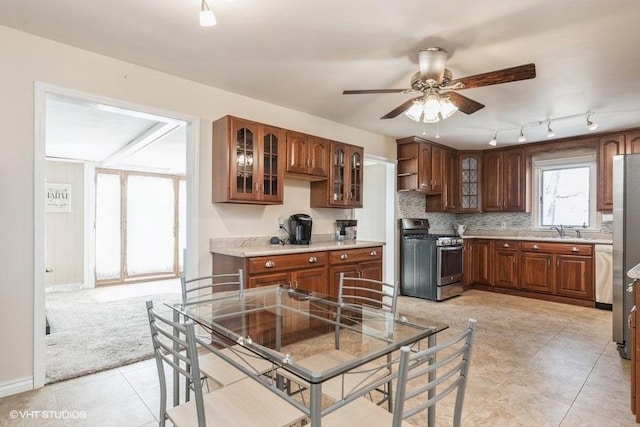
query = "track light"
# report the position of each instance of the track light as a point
(207, 18)
(591, 125)
(522, 138)
(494, 140)
(550, 132)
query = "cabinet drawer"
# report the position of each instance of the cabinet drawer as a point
(558, 248)
(347, 256)
(513, 245)
(265, 264)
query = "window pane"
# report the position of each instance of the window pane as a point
(150, 225)
(108, 244)
(565, 196)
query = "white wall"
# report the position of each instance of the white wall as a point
(26, 59)
(64, 237)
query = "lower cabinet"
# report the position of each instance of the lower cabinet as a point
(364, 262)
(560, 271)
(304, 271)
(536, 273)
(505, 261)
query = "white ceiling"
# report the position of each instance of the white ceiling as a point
(303, 54)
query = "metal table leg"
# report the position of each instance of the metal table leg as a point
(176, 374)
(431, 412)
(315, 405)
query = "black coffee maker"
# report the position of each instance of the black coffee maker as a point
(300, 229)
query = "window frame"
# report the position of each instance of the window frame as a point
(567, 161)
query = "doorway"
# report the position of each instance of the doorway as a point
(376, 219)
(156, 125)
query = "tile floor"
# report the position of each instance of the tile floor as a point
(535, 363)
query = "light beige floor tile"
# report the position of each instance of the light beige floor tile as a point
(129, 411)
(95, 393)
(143, 378)
(582, 417)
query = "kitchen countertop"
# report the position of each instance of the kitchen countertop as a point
(266, 250)
(588, 240)
(634, 273)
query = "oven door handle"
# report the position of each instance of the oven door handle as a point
(450, 248)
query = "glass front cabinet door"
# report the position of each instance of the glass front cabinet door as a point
(469, 169)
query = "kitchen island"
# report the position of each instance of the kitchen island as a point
(315, 267)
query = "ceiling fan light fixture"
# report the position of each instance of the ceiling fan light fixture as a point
(522, 138)
(550, 132)
(207, 18)
(447, 108)
(591, 125)
(415, 111)
(431, 108)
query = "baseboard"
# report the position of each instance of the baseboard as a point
(16, 386)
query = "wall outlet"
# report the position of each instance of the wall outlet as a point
(503, 224)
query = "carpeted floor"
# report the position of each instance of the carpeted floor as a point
(92, 331)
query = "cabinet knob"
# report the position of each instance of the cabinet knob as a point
(270, 264)
(313, 259)
(574, 249)
(535, 247)
(373, 253)
(505, 245)
(344, 256)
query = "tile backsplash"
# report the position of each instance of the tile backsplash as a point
(412, 205)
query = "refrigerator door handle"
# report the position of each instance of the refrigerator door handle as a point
(630, 286)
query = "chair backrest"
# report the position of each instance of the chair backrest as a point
(174, 344)
(445, 365)
(230, 285)
(361, 291)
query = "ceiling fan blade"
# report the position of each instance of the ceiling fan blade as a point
(432, 62)
(464, 104)
(521, 72)
(364, 91)
(400, 109)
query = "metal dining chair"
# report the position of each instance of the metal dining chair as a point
(219, 287)
(353, 294)
(245, 402)
(423, 378)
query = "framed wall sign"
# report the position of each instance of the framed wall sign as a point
(58, 197)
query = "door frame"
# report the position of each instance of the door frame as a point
(41, 90)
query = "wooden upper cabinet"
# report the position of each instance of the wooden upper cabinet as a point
(469, 172)
(632, 143)
(420, 166)
(344, 186)
(448, 200)
(248, 162)
(503, 181)
(307, 155)
(608, 147)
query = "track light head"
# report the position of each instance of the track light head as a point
(550, 132)
(522, 138)
(207, 18)
(591, 125)
(494, 141)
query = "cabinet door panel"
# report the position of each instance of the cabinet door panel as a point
(269, 279)
(424, 167)
(450, 185)
(492, 182)
(506, 268)
(574, 276)
(271, 168)
(349, 270)
(297, 152)
(536, 272)
(514, 185)
(318, 156)
(482, 262)
(608, 147)
(313, 280)
(437, 159)
(244, 160)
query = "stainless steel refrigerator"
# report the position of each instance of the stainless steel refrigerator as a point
(626, 243)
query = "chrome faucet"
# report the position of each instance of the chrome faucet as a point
(559, 229)
(578, 233)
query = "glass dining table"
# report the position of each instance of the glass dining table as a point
(310, 341)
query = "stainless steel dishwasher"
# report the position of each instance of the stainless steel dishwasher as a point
(604, 276)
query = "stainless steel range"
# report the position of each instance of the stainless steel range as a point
(430, 265)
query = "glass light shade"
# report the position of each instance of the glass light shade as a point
(415, 111)
(447, 108)
(522, 138)
(431, 108)
(207, 18)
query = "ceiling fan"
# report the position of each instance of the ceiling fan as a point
(437, 87)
